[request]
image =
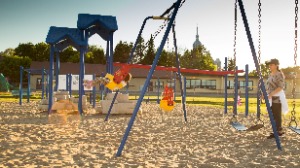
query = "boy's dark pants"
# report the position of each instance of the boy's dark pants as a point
(276, 110)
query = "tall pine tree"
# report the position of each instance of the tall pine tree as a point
(150, 53)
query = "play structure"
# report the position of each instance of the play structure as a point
(28, 92)
(172, 11)
(60, 38)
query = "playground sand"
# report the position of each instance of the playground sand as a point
(29, 138)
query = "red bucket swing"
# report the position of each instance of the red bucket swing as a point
(119, 79)
(113, 82)
(167, 103)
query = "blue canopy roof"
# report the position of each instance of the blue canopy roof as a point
(57, 34)
(102, 25)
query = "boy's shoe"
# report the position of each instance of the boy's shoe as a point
(273, 136)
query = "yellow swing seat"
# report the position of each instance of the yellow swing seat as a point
(113, 85)
(165, 106)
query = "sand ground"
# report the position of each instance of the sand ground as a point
(30, 138)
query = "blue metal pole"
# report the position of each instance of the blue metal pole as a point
(247, 90)
(47, 86)
(174, 80)
(184, 90)
(108, 60)
(225, 87)
(101, 88)
(157, 56)
(107, 56)
(28, 87)
(111, 53)
(43, 83)
(81, 75)
(111, 105)
(21, 85)
(235, 92)
(94, 92)
(158, 94)
(50, 81)
(57, 68)
(70, 84)
(67, 82)
(247, 29)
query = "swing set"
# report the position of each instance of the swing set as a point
(234, 122)
(293, 125)
(168, 95)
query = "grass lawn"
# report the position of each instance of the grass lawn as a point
(219, 103)
(197, 101)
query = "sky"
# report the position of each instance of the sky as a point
(24, 21)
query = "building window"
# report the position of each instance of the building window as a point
(160, 85)
(196, 83)
(209, 84)
(241, 84)
(193, 83)
(170, 83)
(230, 84)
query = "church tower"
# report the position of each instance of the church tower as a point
(197, 42)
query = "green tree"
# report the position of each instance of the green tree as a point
(69, 55)
(8, 52)
(42, 52)
(26, 49)
(89, 57)
(150, 53)
(198, 58)
(10, 67)
(207, 63)
(139, 54)
(74, 58)
(289, 72)
(122, 52)
(231, 64)
(264, 71)
(167, 59)
(185, 60)
(98, 55)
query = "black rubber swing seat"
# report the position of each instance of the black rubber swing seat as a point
(238, 126)
(295, 129)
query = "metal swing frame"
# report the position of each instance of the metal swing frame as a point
(262, 86)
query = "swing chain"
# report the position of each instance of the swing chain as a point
(234, 57)
(293, 112)
(161, 27)
(259, 92)
(182, 3)
(259, 31)
(235, 32)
